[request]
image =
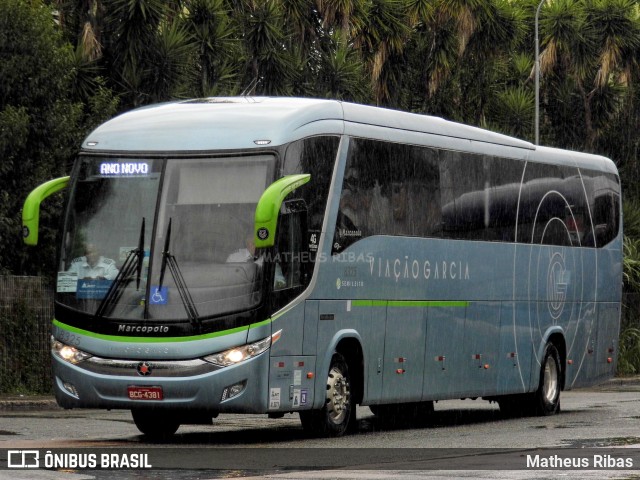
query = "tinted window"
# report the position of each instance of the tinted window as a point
(553, 208)
(316, 156)
(479, 196)
(405, 190)
(388, 189)
(604, 203)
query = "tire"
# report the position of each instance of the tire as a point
(154, 424)
(338, 412)
(546, 400)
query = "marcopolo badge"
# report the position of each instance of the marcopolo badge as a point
(263, 233)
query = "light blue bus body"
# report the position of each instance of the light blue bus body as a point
(525, 252)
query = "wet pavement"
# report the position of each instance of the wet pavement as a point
(607, 416)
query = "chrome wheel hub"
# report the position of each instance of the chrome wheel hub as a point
(550, 386)
(338, 396)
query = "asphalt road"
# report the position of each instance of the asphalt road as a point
(464, 439)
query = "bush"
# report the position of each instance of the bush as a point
(629, 352)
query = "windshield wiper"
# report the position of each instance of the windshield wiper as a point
(124, 275)
(185, 296)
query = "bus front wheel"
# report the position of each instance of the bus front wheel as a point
(334, 417)
(155, 424)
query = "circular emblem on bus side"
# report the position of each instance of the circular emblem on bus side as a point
(557, 285)
(263, 233)
(144, 369)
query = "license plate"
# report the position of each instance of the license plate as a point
(145, 393)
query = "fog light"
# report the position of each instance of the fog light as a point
(233, 390)
(70, 387)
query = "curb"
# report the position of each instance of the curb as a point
(23, 402)
(619, 382)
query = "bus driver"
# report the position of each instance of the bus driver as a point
(93, 265)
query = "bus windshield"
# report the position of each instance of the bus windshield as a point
(129, 218)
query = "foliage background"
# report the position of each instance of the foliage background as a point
(67, 65)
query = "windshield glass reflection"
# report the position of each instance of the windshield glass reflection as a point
(210, 204)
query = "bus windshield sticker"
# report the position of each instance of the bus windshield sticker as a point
(92, 288)
(159, 296)
(67, 282)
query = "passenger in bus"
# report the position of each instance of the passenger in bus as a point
(93, 265)
(353, 211)
(400, 209)
(379, 215)
(247, 254)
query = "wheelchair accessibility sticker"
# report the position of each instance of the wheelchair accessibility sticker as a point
(159, 296)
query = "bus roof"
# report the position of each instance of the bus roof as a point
(229, 123)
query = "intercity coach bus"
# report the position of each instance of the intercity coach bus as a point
(272, 255)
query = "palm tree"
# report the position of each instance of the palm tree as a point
(512, 111)
(344, 16)
(590, 44)
(271, 66)
(341, 72)
(217, 47)
(82, 23)
(382, 38)
(145, 50)
(488, 53)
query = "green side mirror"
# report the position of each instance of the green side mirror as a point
(269, 205)
(31, 208)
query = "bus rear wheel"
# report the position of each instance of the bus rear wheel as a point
(334, 418)
(546, 400)
(154, 424)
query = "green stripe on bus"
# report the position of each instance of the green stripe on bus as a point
(409, 303)
(124, 339)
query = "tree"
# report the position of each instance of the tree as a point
(589, 51)
(42, 122)
(217, 47)
(381, 42)
(36, 119)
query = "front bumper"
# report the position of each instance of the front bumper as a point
(189, 385)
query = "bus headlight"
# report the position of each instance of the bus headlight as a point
(68, 353)
(242, 353)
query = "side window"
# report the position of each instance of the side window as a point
(553, 208)
(299, 232)
(365, 199)
(316, 156)
(388, 189)
(462, 181)
(604, 202)
(415, 192)
(479, 196)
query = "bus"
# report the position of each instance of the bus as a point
(276, 255)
